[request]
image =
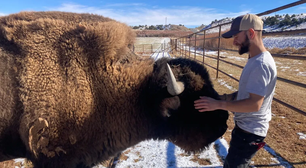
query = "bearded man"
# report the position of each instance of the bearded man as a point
(251, 104)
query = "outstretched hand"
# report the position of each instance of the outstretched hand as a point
(206, 104)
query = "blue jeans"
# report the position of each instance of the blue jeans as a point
(243, 147)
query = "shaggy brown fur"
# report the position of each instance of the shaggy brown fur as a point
(72, 94)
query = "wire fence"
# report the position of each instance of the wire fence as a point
(151, 49)
(182, 47)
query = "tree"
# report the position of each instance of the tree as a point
(270, 21)
(294, 22)
(152, 27)
(159, 27)
(286, 21)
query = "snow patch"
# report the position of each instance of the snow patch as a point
(301, 74)
(284, 42)
(302, 136)
(223, 83)
(237, 58)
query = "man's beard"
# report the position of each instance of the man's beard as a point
(245, 46)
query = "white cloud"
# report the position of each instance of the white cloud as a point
(124, 4)
(302, 8)
(141, 14)
(2, 14)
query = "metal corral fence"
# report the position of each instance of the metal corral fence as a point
(181, 47)
(149, 49)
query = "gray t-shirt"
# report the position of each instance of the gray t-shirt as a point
(258, 77)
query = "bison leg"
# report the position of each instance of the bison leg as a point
(11, 146)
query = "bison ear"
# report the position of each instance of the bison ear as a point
(168, 105)
(174, 88)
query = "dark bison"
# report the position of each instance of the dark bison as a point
(72, 94)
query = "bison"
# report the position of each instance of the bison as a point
(72, 94)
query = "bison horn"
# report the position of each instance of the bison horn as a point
(174, 87)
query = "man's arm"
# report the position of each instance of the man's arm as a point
(251, 104)
(229, 97)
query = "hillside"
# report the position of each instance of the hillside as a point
(283, 22)
(271, 23)
(179, 27)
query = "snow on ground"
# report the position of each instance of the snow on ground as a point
(301, 74)
(153, 153)
(302, 136)
(159, 54)
(284, 42)
(237, 58)
(223, 83)
(22, 161)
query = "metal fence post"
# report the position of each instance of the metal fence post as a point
(186, 41)
(184, 49)
(180, 46)
(204, 46)
(219, 40)
(189, 46)
(195, 46)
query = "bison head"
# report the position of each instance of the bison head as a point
(174, 86)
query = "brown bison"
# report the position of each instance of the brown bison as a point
(72, 94)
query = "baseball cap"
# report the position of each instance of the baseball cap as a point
(244, 22)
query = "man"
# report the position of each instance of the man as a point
(251, 105)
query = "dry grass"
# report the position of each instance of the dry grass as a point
(211, 41)
(13, 164)
(200, 161)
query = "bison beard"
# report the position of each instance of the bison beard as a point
(73, 95)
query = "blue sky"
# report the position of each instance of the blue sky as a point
(191, 13)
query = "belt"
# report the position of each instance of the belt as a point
(242, 130)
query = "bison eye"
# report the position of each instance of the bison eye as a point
(169, 105)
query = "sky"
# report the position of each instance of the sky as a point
(191, 13)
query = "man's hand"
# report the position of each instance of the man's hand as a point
(207, 104)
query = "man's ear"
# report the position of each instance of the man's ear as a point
(251, 33)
